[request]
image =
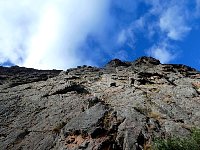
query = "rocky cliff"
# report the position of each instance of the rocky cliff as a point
(123, 106)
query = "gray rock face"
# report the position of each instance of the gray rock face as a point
(15, 75)
(122, 106)
(86, 121)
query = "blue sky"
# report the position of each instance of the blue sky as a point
(62, 34)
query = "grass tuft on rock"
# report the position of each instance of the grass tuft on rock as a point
(175, 143)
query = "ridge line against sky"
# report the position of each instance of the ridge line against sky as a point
(62, 34)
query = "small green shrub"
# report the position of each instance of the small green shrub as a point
(174, 143)
(196, 136)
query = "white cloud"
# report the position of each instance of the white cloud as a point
(13, 29)
(161, 52)
(173, 22)
(47, 34)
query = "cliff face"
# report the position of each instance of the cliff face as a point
(124, 105)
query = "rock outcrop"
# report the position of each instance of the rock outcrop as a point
(122, 106)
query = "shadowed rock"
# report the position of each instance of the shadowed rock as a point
(117, 63)
(146, 60)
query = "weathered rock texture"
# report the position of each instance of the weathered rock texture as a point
(122, 106)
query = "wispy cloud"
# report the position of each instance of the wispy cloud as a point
(170, 25)
(197, 8)
(121, 54)
(173, 21)
(122, 37)
(163, 52)
(126, 36)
